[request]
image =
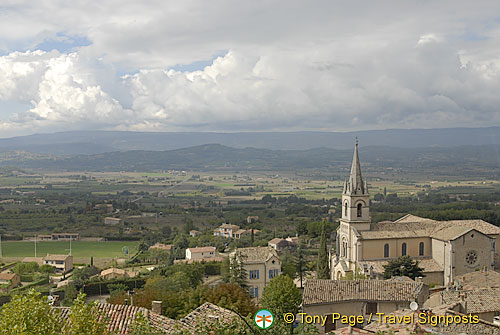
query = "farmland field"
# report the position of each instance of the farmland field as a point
(107, 249)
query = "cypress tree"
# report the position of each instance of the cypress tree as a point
(323, 266)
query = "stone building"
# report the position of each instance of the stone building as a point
(358, 298)
(261, 265)
(445, 249)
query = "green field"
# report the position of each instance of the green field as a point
(78, 248)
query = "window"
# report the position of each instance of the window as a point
(403, 249)
(273, 273)
(359, 210)
(254, 292)
(471, 257)
(253, 274)
(386, 250)
(371, 307)
(421, 249)
(345, 209)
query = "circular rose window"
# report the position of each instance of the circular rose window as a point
(471, 258)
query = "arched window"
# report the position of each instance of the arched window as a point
(421, 249)
(403, 249)
(359, 210)
(345, 209)
(386, 250)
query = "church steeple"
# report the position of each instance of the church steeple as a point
(355, 184)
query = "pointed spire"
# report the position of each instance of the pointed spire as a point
(356, 184)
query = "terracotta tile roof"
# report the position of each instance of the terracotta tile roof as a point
(479, 279)
(209, 313)
(480, 328)
(324, 291)
(202, 249)
(7, 276)
(450, 233)
(228, 225)
(256, 254)
(275, 240)
(50, 257)
(428, 264)
(121, 317)
(413, 226)
(477, 301)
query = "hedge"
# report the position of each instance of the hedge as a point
(42, 281)
(97, 288)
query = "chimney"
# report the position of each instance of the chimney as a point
(156, 307)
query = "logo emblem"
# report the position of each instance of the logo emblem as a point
(263, 319)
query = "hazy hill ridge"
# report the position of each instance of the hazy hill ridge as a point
(94, 142)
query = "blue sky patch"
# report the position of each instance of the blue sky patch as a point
(63, 43)
(198, 65)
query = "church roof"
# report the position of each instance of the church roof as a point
(414, 226)
(428, 264)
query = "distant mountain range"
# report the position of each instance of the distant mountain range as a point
(96, 142)
(468, 161)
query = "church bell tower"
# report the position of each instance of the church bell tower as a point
(355, 198)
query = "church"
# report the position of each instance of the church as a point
(444, 249)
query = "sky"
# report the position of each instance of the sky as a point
(261, 65)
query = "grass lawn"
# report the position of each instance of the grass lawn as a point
(78, 248)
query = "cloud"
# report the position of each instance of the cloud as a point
(60, 88)
(327, 65)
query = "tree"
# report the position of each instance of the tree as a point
(281, 296)
(141, 326)
(403, 266)
(234, 272)
(85, 319)
(289, 265)
(323, 266)
(70, 293)
(230, 296)
(47, 268)
(302, 228)
(29, 314)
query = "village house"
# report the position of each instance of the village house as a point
(112, 221)
(8, 281)
(358, 297)
(410, 323)
(62, 263)
(444, 249)
(107, 208)
(280, 244)
(483, 302)
(261, 264)
(226, 230)
(194, 233)
(201, 253)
